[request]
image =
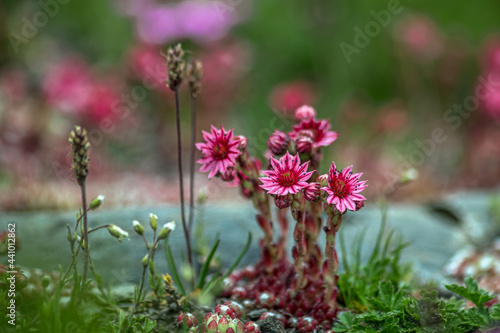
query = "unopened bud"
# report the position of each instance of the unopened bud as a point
(322, 180)
(283, 201)
(243, 141)
(153, 221)
(304, 141)
(117, 232)
(138, 228)
(312, 192)
(359, 205)
(145, 260)
(97, 202)
(278, 142)
(305, 113)
(167, 228)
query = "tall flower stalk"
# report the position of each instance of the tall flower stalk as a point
(175, 71)
(80, 146)
(194, 73)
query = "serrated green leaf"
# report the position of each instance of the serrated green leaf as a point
(471, 292)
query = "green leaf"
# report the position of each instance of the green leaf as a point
(471, 292)
(240, 256)
(495, 312)
(206, 265)
(345, 323)
(173, 269)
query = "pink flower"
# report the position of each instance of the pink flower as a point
(321, 132)
(220, 150)
(287, 176)
(286, 98)
(344, 188)
(68, 85)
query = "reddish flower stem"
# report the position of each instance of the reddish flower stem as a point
(298, 213)
(331, 263)
(181, 184)
(191, 163)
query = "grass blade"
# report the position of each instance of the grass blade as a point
(206, 265)
(238, 259)
(173, 269)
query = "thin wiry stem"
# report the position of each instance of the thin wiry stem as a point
(191, 162)
(85, 236)
(181, 185)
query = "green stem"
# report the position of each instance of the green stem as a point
(85, 236)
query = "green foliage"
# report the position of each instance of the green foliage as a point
(379, 300)
(471, 292)
(204, 285)
(359, 284)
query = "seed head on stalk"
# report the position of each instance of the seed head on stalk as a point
(80, 147)
(175, 66)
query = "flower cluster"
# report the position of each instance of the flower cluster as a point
(290, 181)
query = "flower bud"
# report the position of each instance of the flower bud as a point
(167, 228)
(117, 232)
(229, 175)
(304, 141)
(283, 201)
(243, 141)
(305, 113)
(97, 202)
(153, 221)
(278, 142)
(312, 192)
(359, 205)
(138, 228)
(145, 260)
(322, 180)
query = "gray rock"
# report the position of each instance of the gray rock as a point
(433, 240)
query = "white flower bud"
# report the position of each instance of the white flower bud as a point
(167, 228)
(117, 232)
(153, 221)
(97, 202)
(138, 228)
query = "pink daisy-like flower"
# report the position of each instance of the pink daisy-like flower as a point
(220, 150)
(287, 175)
(343, 188)
(321, 131)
